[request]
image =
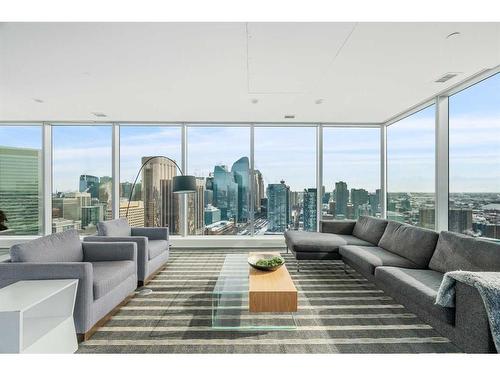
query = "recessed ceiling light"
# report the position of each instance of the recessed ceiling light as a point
(98, 114)
(318, 101)
(38, 100)
(446, 77)
(255, 101)
(453, 35)
(290, 116)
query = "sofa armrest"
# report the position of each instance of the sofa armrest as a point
(11, 272)
(471, 321)
(337, 226)
(152, 233)
(109, 251)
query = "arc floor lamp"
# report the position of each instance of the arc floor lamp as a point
(182, 184)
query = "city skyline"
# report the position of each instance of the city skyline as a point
(96, 160)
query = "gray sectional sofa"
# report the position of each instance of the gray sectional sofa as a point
(106, 272)
(408, 263)
(152, 244)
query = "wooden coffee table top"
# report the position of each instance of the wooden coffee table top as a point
(275, 281)
(271, 291)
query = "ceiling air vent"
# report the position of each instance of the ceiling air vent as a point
(99, 114)
(446, 77)
(289, 116)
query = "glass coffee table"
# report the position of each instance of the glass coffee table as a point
(230, 300)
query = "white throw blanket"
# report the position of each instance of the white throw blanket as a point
(488, 286)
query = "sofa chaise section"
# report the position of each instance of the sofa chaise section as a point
(106, 273)
(334, 234)
(152, 245)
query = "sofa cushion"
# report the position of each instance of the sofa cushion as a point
(156, 247)
(108, 275)
(369, 229)
(369, 257)
(114, 228)
(299, 241)
(413, 243)
(59, 247)
(419, 286)
(456, 251)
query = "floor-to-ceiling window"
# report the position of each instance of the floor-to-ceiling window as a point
(474, 143)
(82, 182)
(150, 202)
(351, 173)
(21, 203)
(285, 179)
(410, 169)
(219, 157)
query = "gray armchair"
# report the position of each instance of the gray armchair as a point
(106, 272)
(152, 245)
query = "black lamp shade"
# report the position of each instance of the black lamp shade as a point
(184, 184)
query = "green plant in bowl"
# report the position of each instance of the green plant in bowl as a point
(266, 262)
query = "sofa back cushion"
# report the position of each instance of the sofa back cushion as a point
(456, 251)
(59, 247)
(369, 229)
(114, 228)
(413, 243)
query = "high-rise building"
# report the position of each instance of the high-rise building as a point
(241, 173)
(91, 215)
(491, 231)
(350, 211)
(161, 206)
(374, 201)
(331, 208)
(259, 192)
(196, 208)
(427, 217)
(135, 214)
(358, 197)
(212, 214)
(310, 211)
(460, 220)
(341, 198)
(278, 207)
(225, 193)
(60, 225)
(69, 205)
(20, 190)
(89, 184)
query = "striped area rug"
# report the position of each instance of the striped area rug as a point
(338, 313)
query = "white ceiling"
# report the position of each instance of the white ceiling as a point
(365, 72)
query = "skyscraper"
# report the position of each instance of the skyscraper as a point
(241, 173)
(259, 192)
(341, 198)
(427, 217)
(212, 214)
(278, 207)
(310, 217)
(225, 193)
(196, 208)
(20, 190)
(460, 220)
(358, 197)
(374, 200)
(89, 184)
(161, 206)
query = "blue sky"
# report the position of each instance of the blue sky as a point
(350, 154)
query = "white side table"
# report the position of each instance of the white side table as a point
(36, 316)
